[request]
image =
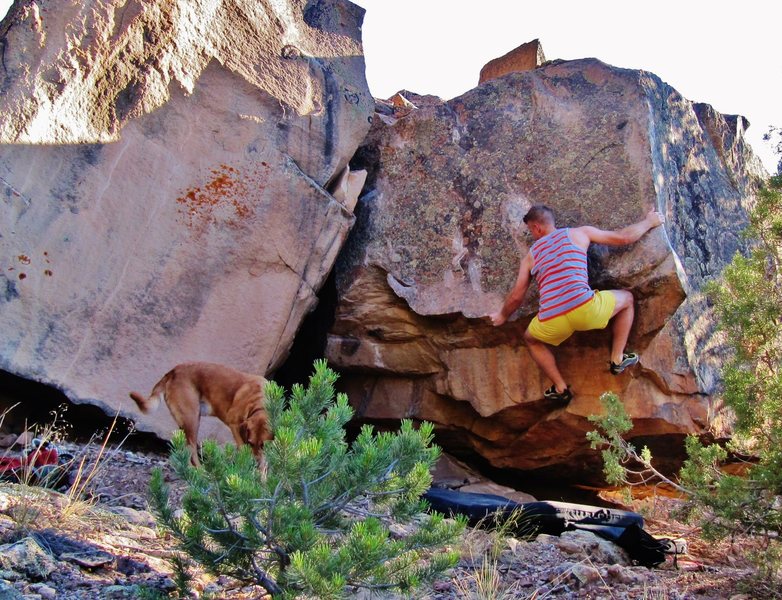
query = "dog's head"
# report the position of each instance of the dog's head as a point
(255, 431)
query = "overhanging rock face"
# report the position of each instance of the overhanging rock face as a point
(174, 184)
(440, 234)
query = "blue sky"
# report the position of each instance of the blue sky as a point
(725, 54)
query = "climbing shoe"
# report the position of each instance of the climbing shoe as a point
(559, 397)
(628, 360)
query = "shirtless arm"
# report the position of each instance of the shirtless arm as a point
(582, 236)
(516, 295)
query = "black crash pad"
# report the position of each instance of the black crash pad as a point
(625, 528)
(549, 516)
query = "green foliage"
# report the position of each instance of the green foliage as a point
(613, 423)
(623, 465)
(317, 523)
(182, 577)
(142, 592)
(774, 137)
(747, 300)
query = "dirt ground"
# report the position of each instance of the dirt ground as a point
(123, 555)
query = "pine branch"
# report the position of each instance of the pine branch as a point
(263, 579)
(279, 551)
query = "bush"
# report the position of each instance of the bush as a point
(748, 303)
(318, 522)
(747, 300)
(623, 464)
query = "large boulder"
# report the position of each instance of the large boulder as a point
(440, 234)
(175, 184)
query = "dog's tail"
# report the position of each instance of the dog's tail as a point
(149, 404)
(145, 405)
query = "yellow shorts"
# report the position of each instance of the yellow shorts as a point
(594, 314)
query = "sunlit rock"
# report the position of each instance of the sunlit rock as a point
(167, 172)
(440, 234)
(524, 58)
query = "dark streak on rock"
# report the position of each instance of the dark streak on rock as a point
(10, 293)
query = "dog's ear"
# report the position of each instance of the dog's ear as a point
(263, 431)
(255, 431)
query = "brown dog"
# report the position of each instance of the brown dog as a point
(194, 389)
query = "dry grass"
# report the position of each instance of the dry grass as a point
(34, 508)
(484, 582)
(86, 474)
(41, 506)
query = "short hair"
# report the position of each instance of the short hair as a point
(540, 213)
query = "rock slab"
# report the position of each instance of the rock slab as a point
(524, 58)
(174, 184)
(440, 234)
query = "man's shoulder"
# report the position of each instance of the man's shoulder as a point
(582, 235)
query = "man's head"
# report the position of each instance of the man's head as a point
(540, 220)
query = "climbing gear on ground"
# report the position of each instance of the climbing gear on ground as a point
(39, 464)
(628, 360)
(624, 528)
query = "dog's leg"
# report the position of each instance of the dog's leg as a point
(239, 440)
(183, 402)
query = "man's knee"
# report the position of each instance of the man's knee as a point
(530, 339)
(624, 299)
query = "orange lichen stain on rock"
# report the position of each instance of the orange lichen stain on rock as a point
(226, 189)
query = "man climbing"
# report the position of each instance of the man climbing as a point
(558, 261)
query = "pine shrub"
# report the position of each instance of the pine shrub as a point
(747, 299)
(318, 522)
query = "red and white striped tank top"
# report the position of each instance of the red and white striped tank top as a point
(561, 272)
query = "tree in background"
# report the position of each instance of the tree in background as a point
(318, 522)
(748, 303)
(774, 137)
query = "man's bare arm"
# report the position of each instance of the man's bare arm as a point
(620, 237)
(516, 295)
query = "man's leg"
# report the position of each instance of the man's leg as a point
(621, 322)
(544, 358)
